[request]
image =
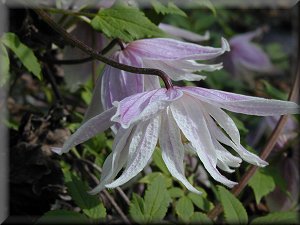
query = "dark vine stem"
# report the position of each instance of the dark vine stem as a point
(218, 209)
(82, 60)
(75, 42)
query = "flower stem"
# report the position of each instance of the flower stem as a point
(218, 209)
(75, 42)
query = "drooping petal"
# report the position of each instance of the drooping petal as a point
(118, 84)
(116, 160)
(242, 103)
(173, 149)
(141, 148)
(88, 130)
(245, 154)
(144, 105)
(224, 121)
(174, 72)
(170, 49)
(182, 33)
(252, 57)
(193, 125)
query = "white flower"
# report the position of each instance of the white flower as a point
(164, 116)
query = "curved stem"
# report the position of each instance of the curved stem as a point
(217, 210)
(75, 42)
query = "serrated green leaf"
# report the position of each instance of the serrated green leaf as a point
(261, 184)
(157, 200)
(90, 204)
(62, 217)
(278, 218)
(23, 52)
(234, 211)
(175, 192)
(184, 209)
(200, 218)
(126, 23)
(200, 201)
(171, 8)
(137, 209)
(4, 65)
(157, 159)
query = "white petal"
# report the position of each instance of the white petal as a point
(245, 154)
(191, 121)
(173, 149)
(88, 130)
(212, 170)
(143, 106)
(116, 160)
(173, 71)
(242, 103)
(224, 121)
(141, 148)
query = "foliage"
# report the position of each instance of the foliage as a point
(154, 197)
(234, 210)
(126, 23)
(23, 52)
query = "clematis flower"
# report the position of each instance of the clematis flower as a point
(167, 117)
(245, 56)
(176, 58)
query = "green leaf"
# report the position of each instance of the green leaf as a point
(171, 8)
(200, 201)
(261, 184)
(137, 209)
(234, 211)
(126, 23)
(157, 200)
(200, 218)
(184, 208)
(4, 65)
(157, 158)
(175, 192)
(23, 52)
(89, 204)
(278, 218)
(62, 217)
(149, 178)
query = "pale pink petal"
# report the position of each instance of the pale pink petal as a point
(224, 121)
(141, 148)
(242, 103)
(118, 84)
(144, 105)
(251, 57)
(182, 33)
(116, 160)
(193, 125)
(169, 49)
(174, 72)
(244, 153)
(88, 130)
(173, 149)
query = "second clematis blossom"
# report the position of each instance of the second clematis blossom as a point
(175, 58)
(178, 118)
